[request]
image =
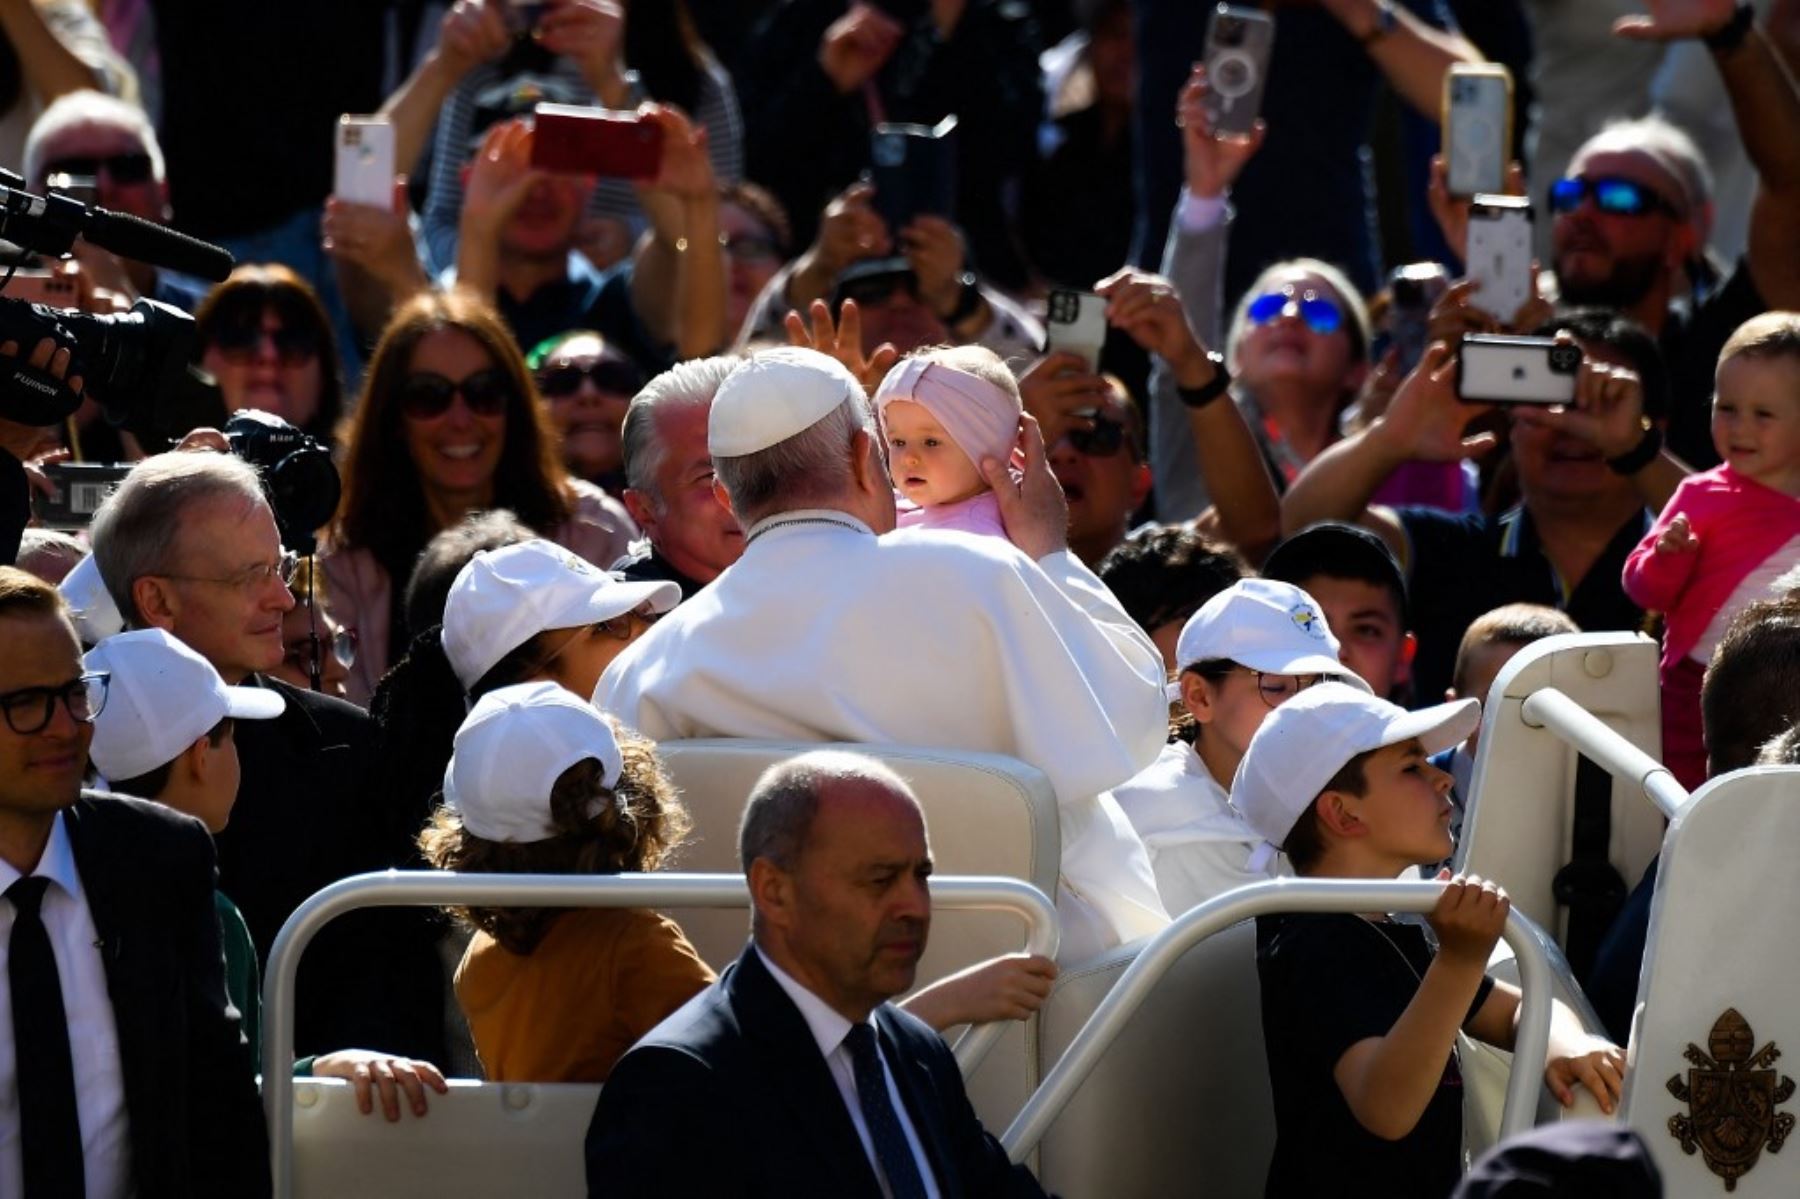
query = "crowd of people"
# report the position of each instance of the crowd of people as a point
(752, 443)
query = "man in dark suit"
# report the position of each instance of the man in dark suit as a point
(793, 1074)
(188, 544)
(122, 1064)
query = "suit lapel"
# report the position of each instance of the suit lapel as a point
(918, 1090)
(798, 1076)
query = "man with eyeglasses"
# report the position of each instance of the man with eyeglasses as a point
(187, 543)
(1630, 209)
(108, 930)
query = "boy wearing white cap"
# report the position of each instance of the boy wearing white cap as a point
(1360, 1013)
(1248, 650)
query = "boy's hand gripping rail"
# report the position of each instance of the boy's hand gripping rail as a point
(432, 888)
(1548, 708)
(1162, 951)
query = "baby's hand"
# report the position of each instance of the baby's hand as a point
(1677, 538)
(1599, 1066)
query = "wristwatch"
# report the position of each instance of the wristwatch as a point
(967, 303)
(1385, 22)
(1212, 389)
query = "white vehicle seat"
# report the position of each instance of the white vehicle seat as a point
(1721, 940)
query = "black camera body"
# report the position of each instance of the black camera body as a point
(297, 472)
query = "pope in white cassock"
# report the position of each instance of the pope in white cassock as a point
(825, 631)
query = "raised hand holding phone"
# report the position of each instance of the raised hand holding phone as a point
(1213, 160)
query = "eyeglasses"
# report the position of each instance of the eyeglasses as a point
(620, 627)
(606, 374)
(1102, 440)
(29, 709)
(1612, 195)
(425, 396)
(1321, 315)
(1277, 689)
(878, 289)
(242, 342)
(124, 169)
(342, 645)
(251, 577)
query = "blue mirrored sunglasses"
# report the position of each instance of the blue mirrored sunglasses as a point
(1320, 314)
(1613, 196)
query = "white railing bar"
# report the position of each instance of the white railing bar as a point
(1549, 708)
(432, 888)
(1161, 952)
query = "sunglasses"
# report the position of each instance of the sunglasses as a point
(120, 168)
(426, 395)
(1104, 439)
(1613, 196)
(878, 289)
(1320, 314)
(240, 342)
(606, 374)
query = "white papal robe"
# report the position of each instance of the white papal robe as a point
(824, 632)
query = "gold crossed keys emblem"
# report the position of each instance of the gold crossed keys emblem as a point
(1731, 1098)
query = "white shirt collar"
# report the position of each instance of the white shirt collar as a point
(805, 517)
(56, 863)
(828, 1027)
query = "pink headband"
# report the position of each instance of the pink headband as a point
(981, 418)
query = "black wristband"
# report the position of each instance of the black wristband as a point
(1212, 389)
(1732, 33)
(1636, 459)
(966, 303)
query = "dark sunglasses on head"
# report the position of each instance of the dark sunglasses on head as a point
(293, 344)
(878, 289)
(1320, 314)
(607, 374)
(120, 168)
(1613, 196)
(1104, 439)
(425, 395)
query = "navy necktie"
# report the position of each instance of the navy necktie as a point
(49, 1127)
(891, 1149)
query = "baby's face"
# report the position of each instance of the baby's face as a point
(927, 467)
(1756, 419)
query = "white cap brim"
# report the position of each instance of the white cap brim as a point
(614, 599)
(253, 703)
(1437, 728)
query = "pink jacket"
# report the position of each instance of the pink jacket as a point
(358, 592)
(1739, 523)
(977, 514)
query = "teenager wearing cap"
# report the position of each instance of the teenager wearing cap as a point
(1360, 1013)
(1356, 579)
(166, 734)
(1248, 650)
(825, 631)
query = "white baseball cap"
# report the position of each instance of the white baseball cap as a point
(1307, 740)
(512, 747)
(91, 604)
(1266, 625)
(773, 396)
(505, 597)
(162, 698)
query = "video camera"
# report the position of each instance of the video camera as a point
(298, 475)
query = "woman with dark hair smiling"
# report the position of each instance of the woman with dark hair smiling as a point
(449, 423)
(264, 336)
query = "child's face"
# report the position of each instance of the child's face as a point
(1479, 673)
(213, 809)
(927, 467)
(1756, 419)
(1366, 622)
(1405, 808)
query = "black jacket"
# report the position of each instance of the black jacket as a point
(190, 1095)
(730, 1097)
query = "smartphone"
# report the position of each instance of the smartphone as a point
(522, 16)
(1412, 290)
(913, 168)
(1238, 41)
(36, 285)
(1493, 368)
(1076, 324)
(595, 141)
(1499, 253)
(365, 161)
(1477, 127)
(81, 487)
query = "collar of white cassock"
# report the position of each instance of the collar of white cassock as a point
(801, 517)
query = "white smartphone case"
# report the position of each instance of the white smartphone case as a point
(1497, 369)
(365, 161)
(1499, 253)
(1076, 324)
(1477, 129)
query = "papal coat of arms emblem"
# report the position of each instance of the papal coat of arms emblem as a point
(1731, 1098)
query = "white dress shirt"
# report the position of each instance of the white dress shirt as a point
(824, 632)
(830, 1029)
(93, 1037)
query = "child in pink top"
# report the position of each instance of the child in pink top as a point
(942, 411)
(1727, 533)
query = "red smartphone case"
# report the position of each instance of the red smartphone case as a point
(595, 141)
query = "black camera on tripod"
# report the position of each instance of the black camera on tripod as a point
(298, 475)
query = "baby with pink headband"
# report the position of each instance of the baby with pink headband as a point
(942, 411)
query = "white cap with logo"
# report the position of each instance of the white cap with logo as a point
(774, 395)
(161, 699)
(91, 604)
(512, 747)
(1311, 737)
(505, 597)
(1266, 625)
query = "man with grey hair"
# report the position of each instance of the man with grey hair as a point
(793, 1074)
(833, 627)
(689, 536)
(187, 543)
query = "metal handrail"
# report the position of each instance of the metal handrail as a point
(1549, 708)
(432, 888)
(1162, 951)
